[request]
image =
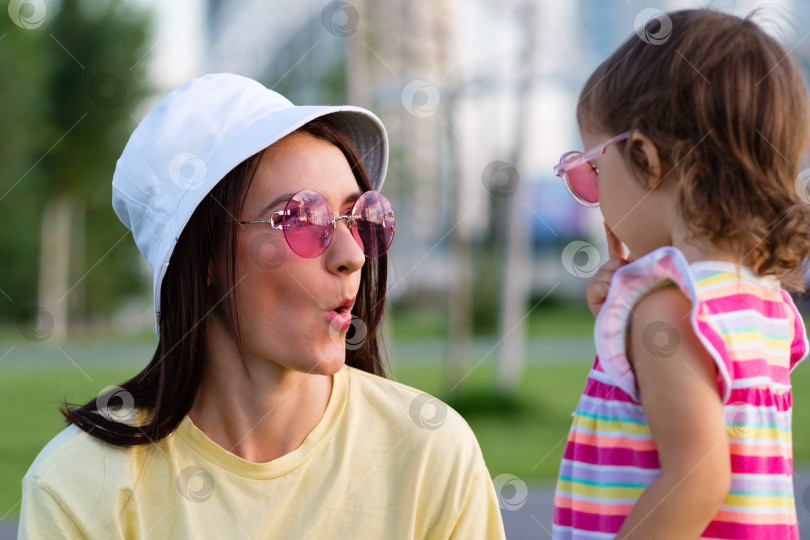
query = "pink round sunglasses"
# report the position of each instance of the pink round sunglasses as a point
(309, 224)
(580, 175)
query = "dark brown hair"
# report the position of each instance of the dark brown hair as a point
(166, 388)
(726, 107)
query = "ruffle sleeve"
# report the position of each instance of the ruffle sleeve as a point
(662, 267)
(799, 346)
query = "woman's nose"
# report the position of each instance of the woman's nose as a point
(344, 254)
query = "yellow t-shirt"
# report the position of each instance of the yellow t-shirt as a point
(385, 461)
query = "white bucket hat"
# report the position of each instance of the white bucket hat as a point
(199, 133)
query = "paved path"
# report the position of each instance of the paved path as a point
(87, 355)
(533, 519)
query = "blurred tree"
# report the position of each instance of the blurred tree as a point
(515, 287)
(80, 85)
(24, 65)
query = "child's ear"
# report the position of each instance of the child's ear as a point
(644, 152)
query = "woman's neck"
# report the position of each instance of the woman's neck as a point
(259, 417)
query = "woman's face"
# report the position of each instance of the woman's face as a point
(287, 304)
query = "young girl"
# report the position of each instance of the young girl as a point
(684, 427)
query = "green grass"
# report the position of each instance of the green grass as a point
(560, 321)
(29, 417)
(548, 319)
(801, 413)
(528, 442)
(523, 435)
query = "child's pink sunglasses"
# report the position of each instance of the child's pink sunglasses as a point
(580, 176)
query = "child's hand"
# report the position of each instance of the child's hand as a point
(597, 291)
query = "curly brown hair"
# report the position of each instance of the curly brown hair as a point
(727, 109)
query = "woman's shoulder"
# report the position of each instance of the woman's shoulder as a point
(75, 458)
(424, 454)
(69, 448)
(407, 411)
(79, 486)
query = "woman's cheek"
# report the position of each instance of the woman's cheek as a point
(267, 250)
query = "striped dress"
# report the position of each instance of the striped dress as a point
(755, 335)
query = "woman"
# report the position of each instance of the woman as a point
(255, 417)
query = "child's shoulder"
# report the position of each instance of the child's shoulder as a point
(657, 284)
(667, 302)
(652, 311)
(661, 329)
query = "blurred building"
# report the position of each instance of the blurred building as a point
(459, 85)
(364, 53)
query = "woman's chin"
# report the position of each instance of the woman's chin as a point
(329, 362)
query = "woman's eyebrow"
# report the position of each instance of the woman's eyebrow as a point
(275, 202)
(287, 196)
(352, 197)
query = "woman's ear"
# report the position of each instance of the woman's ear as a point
(644, 152)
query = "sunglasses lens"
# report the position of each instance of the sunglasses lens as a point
(582, 179)
(373, 228)
(308, 225)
